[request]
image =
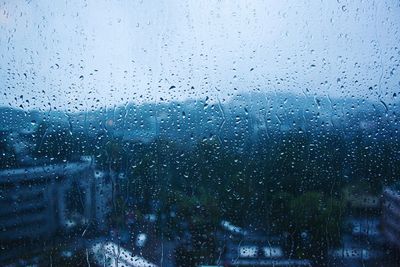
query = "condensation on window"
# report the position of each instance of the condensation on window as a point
(199, 133)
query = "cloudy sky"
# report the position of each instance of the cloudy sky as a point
(79, 55)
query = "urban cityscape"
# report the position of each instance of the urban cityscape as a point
(263, 191)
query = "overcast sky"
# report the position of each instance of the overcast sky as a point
(87, 54)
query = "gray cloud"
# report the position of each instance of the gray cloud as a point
(83, 55)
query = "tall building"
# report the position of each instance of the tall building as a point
(39, 202)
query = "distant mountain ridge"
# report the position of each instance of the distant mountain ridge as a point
(246, 114)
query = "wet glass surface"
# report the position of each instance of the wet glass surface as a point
(199, 133)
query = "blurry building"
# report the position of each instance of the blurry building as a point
(111, 254)
(250, 248)
(43, 201)
(361, 200)
(391, 215)
(37, 201)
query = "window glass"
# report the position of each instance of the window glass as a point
(199, 133)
